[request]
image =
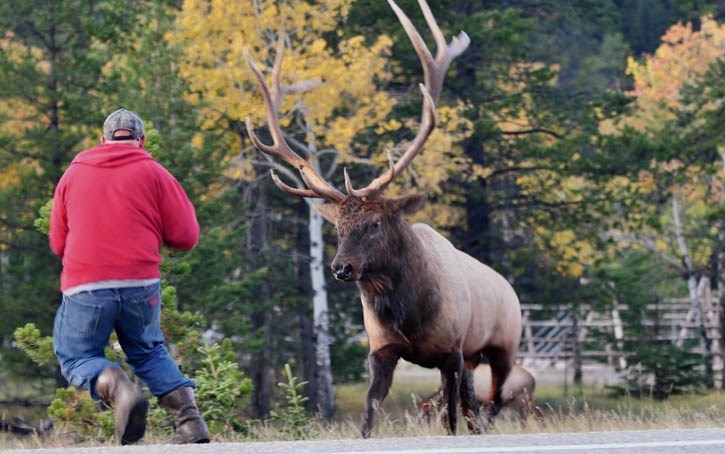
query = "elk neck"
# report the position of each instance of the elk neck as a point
(404, 292)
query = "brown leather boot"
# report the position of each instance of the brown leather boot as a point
(190, 425)
(129, 403)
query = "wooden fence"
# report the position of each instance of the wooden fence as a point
(565, 333)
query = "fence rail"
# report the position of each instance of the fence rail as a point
(566, 333)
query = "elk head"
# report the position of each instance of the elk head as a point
(369, 226)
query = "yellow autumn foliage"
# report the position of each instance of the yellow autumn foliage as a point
(682, 57)
(18, 112)
(517, 120)
(216, 34)
(570, 254)
(10, 176)
(684, 54)
(346, 100)
(441, 157)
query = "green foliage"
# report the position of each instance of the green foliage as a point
(74, 411)
(662, 369)
(42, 222)
(347, 354)
(348, 361)
(222, 389)
(180, 328)
(703, 122)
(153, 139)
(222, 393)
(292, 418)
(38, 348)
(658, 368)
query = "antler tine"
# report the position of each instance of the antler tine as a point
(434, 71)
(445, 53)
(318, 187)
(289, 189)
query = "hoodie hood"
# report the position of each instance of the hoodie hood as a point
(111, 155)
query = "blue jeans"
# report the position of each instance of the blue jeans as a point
(84, 323)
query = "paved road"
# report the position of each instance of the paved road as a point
(700, 441)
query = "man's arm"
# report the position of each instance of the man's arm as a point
(58, 229)
(180, 226)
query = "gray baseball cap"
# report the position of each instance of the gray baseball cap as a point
(123, 119)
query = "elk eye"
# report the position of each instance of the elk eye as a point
(376, 223)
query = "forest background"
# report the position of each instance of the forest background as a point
(579, 151)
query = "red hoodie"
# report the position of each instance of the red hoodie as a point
(113, 209)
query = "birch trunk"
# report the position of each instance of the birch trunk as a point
(693, 314)
(307, 329)
(721, 263)
(718, 366)
(326, 397)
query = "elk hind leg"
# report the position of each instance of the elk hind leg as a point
(501, 363)
(469, 404)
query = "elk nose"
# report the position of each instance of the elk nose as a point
(342, 272)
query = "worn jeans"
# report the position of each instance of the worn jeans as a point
(84, 323)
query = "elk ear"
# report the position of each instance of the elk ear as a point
(327, 211)
(408, 204)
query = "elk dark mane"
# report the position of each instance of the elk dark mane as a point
(404, 291)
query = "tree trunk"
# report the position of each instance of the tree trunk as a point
(693, 314)
(326, 396)
(721, 272)
(718, 364)
(577, 361)
(261, 364)
(307, 330)
(308, 358)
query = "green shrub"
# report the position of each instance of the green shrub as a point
(74, 411)
(222, 391)
(292, 418)
(38, 348)
(661, 369)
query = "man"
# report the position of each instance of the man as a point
(113, 209)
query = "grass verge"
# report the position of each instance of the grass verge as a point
(578, 409)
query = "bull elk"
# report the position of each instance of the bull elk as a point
(423, 300)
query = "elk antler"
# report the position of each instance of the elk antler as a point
(434, 71)
(317, 186)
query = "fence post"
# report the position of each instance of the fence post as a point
(711, 323)
(528, 334)
(694, 314)
(619, 335)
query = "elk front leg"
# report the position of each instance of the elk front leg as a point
(451, 371)
(381, 365)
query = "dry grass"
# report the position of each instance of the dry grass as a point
(580, 410)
